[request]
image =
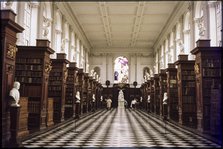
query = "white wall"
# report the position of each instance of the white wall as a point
(136, 61)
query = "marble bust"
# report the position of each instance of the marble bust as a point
(14, 93)
(93, 97)
(78, 97)
(165, 98)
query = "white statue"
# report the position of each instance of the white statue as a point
(14, 93)
(140, 99)
(165, 98)
(93, 97)
(121, 95)
(78, 97)
(148, 99)
(147, 75)
(101, 98)
(92, 73)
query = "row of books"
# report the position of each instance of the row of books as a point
(29, 73)
(29, 60)
(211, 72)
(29, 67)
(28, 80)
(211, 62)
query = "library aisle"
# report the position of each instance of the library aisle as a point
(118, 128)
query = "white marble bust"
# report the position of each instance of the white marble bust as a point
(14, 93)
(93, 97)
(148, 99)
(165, 98)
(78, 97)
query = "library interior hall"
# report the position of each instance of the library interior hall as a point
(111, 74)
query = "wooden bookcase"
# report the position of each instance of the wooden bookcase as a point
(186, 91)
(71, 91)
(9, 29)
(152, 95)
(163, 88)
(32, 71)
(208, 86)
(49, 113)
(57, 86)
(86, 96)
(172, 92)
(148, 94)
(23, 118)
(156, 94)
(80, 81)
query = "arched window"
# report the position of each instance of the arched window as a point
(187, 33)
(121, 70)
(58, 30)
(171, 48)
(27, 21)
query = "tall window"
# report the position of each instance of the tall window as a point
(121, 70)
(27, 18)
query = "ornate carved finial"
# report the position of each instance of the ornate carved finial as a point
(11, 51)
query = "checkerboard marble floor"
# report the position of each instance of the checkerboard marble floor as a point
(118, 128)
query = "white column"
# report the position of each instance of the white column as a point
(34, 23)
(20, 37)
(212, 23)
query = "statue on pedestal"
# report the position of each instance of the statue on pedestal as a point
(121, 99)
(78, 97)
(14, 93)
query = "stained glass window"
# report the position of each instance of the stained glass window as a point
(121, 70)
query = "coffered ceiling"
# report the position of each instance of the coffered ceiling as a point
(122, 24)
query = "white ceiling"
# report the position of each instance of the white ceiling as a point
(122, 24)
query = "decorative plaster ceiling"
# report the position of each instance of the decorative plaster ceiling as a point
(122, 24)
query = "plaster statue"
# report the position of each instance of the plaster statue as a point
(14, 93)
(147, 75)
(101, 98)
(92, 73)
(121, 95)
(93, 97)
(165, 98)
(140, 99)
(78, 97)
(148, 99)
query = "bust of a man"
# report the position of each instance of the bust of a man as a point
(165, 98)
(93, 97)
(78, 97)
(148, 99)
(14, 93)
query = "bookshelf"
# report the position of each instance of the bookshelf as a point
(9, 29)
(156, 94)
(49, 113)
(148, 94)
(208, 86)
(163, 88)
(70, 91)
(152, 95)
(172, 92)
(86, 96)
(57, 86)
(23, 118)
(32, 71)
(186, 91)
(80, 81)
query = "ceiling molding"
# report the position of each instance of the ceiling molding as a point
(137, 23)
(70, 17)
(178, 11)
(105, 19)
